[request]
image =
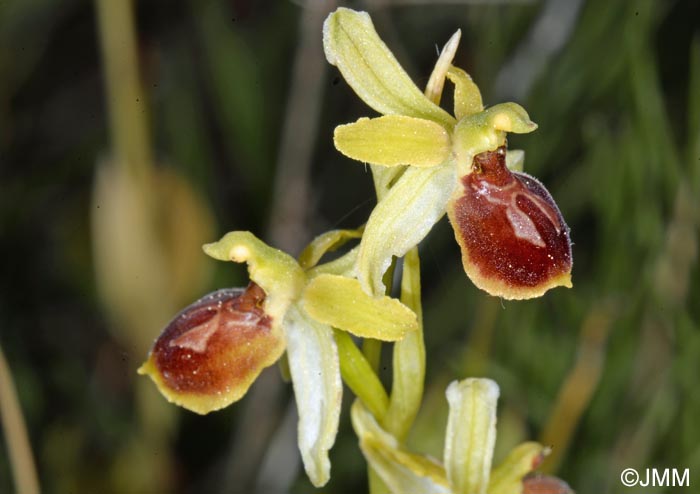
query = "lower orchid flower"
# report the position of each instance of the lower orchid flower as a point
(468, 454)
(210, 354)
(515, 243)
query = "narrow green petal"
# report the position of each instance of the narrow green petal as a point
(408, 358)
(402, 471)
(515, 160)
(313, 362)
(352, 44)
(402, 219)
(340, 302)
(277, 273)
(467, 94)
(436, 83)
(507, 478)
(326, 242)
(394, 140)
(471, 434)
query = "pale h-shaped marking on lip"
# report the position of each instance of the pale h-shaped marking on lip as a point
(197, 338)
(523, 226)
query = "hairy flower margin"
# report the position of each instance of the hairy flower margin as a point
(515, 243)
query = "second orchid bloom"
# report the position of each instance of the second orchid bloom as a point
(211, 353)
(515, 243)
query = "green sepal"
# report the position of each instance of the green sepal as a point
(352, 44)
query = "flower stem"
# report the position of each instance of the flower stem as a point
(359, 376)
(408, 358)
(129, 128)
(371, 348)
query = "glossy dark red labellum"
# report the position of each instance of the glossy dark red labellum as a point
(515, 243)
(210, 353)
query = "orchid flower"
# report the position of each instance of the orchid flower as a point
(210, 354)
(425, 162)
(468, 453)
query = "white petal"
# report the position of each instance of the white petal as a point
(313, 362)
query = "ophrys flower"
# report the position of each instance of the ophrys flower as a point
(426, 162)
(211, 353)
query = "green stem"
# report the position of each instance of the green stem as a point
(128, 124)
(359, 376)
(372, 348)
(408, 357)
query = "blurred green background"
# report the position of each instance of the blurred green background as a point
(233, 130)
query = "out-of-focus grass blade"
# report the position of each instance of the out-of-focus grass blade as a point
(694, 115)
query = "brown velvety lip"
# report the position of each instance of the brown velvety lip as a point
(211, 352)
(515, 242)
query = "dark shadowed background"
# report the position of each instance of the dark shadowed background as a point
(239, 106)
